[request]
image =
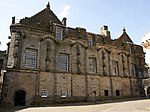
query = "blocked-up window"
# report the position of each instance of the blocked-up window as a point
(64, 62)
(92, 65)
(133, 70)
(64, 93)
(59, 33)
(115, 67)
(44, 93)
(31, 56)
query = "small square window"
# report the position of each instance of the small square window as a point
(64, 93)
(117, 93)
(106, 92)
(44, 93)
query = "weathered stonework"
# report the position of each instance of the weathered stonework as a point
(75, 66)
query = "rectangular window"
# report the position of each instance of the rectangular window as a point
(117, 93)
(90, 41)
(44, 93)
(59, 33)
(133, 70)
(64, 93)
(115, 67)
(106, 92)
(64, 62)
(92, 65)
(31, 56)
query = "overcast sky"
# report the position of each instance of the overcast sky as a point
(91, 14)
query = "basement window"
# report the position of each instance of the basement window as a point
(44, 93)
(64, 93)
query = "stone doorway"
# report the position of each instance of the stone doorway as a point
(20, 98)
(148, 91)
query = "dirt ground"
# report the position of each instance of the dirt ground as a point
(138, 105)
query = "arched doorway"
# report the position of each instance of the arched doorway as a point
(20, 98)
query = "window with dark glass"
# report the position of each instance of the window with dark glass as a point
(117, 93)
(105, 92)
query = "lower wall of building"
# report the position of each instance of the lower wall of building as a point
(78, 87)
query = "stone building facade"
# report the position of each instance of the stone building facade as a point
(2, 68)
(49, 62)
(146, 80)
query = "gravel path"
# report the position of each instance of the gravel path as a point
(127, 106)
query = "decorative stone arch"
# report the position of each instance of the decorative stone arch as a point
(48, 37)
(79, 43)
(78, 57)
(20, 96)
(47, 48)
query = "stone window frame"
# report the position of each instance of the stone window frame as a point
(59, 33)
(64, 64)
(115, 67)
(94, 67)
(30, 58)
(64, 93)
(44, 93)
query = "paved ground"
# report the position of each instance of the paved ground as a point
(123, 106)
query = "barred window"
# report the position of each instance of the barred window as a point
(115, 67)
(92, 65)
(44, 93)
(64, 62)
(64, 93)
(59, 33)
(31, 56)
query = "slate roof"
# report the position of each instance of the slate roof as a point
(42, 19)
